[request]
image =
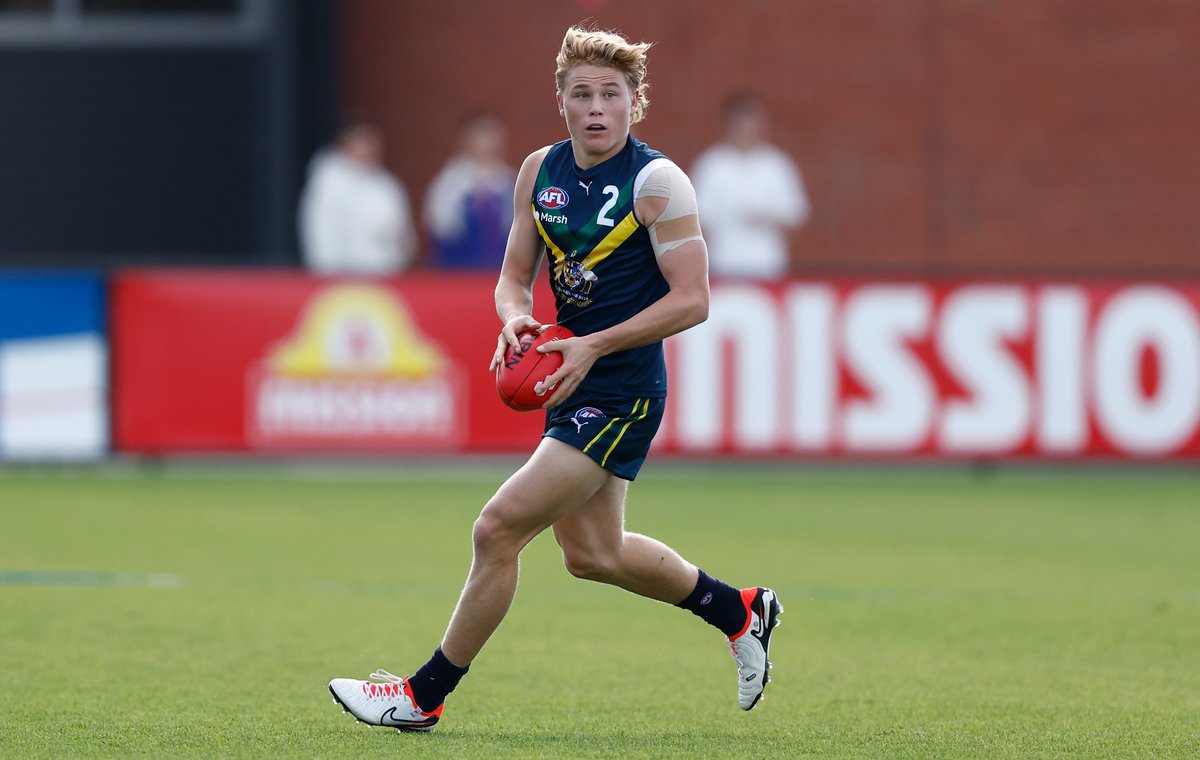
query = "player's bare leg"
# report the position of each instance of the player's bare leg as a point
(555, 481)
(597, 547)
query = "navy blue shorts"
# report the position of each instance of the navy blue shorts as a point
(616, 433)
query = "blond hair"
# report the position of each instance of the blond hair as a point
(612, 49)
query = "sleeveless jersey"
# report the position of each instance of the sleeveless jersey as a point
(602, 267)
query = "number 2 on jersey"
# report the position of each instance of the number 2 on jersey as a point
(602, 218)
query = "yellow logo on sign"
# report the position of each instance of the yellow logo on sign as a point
(356, 330)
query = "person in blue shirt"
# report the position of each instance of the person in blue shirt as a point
(617, 224)
(468, 208)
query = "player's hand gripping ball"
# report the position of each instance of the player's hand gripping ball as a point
(524, 367)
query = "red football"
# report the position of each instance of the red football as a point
(524, 368)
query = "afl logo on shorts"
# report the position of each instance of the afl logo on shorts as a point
(552, 198)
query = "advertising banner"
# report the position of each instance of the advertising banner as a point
(946, 369)
(53, 367)
(258, 361)
(263, 361)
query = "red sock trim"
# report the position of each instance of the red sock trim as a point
(748, 595)
(408, 692)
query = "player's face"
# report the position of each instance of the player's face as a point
(598, 106)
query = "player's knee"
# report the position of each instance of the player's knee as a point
(587, 565)
(491, 535)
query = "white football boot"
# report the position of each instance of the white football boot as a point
(389, 702)
(752, 645)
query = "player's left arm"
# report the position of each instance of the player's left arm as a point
(667, 208)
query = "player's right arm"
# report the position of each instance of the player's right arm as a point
(522, 257)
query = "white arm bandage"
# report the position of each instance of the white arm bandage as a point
(679, 221)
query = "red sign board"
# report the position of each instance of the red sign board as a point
(237, 361)
(265, 361)
(948, 369)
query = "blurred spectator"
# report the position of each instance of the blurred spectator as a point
(750, 194)
(468, 210)
(355, 217)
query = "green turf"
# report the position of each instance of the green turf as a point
(201, 614)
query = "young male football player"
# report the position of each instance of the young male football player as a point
(628, 267)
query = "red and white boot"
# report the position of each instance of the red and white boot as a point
(752, 645)
(386, 701)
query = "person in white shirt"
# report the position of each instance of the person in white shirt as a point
(355, 217)
(750, 194)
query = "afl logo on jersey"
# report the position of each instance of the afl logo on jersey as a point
(553, 197)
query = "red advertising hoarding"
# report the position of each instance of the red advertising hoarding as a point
(238, 361)
(264, 361)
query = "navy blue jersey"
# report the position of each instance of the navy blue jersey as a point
(602, 267)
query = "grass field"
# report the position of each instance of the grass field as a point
(201, 613)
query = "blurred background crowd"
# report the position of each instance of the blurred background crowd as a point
(925, 137)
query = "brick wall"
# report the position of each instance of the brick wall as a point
(1008, 136)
